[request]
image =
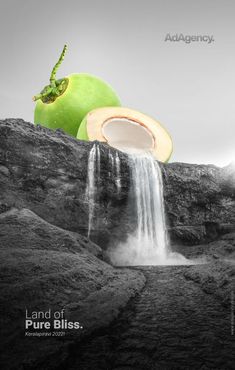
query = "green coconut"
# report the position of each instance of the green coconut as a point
(65, 102)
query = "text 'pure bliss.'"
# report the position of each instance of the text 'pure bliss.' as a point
(49, 320)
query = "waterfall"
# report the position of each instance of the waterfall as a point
(93, 179)
(93, 176)
(118, 171)
(151, 235)
(115, 169)
(149, 244)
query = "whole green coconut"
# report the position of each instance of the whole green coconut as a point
(65, 102)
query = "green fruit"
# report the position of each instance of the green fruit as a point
(65, 102)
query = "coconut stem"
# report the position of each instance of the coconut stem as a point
(52, 88)
(54, 70)
(42, 95)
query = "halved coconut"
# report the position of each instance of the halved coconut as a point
(127, 130)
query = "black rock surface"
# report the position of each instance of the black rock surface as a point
(47, 261)
(200, 201)
(46, 172)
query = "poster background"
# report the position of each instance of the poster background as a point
(188, 87)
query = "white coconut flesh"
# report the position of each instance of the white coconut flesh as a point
(129, 130)
(127, 135)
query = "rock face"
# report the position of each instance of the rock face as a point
(200, 201)
(178, 321)
(44, 267)
(46, 172)
(47, 261)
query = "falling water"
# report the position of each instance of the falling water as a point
(93, 179)
(118, 171)
(151, 224)
(149, 244)
(115, 169)
(93, 176)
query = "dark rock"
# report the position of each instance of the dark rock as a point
(199, 200)
(216, 279)
(189, 235)
(44, 267)
(46, 171)
(180, 320)
(47, 260)
(222, 248)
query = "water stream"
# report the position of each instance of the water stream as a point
(93, 176)
(115, 169)
(93, 180)
(149, 244)
(151, 234)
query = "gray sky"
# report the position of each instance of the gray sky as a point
(190, 88)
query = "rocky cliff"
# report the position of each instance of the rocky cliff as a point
(46, 172)
(47, 261)
(200, 201)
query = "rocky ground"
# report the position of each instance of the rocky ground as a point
(175, 322)
(171, 317)
(44, 267)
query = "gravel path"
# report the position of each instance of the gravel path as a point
(171, 324)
